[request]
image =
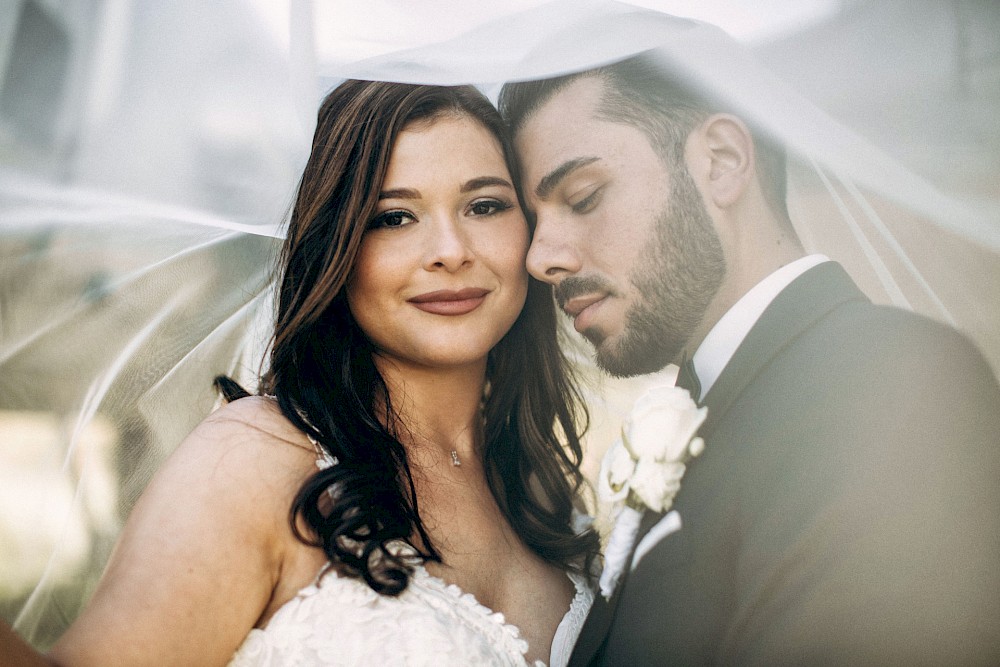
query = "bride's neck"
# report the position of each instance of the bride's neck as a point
(438, 410)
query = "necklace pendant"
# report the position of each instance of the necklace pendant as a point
(454, 458)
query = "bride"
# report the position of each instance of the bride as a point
(397, 493)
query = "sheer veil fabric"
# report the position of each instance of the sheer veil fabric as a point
(141, 207)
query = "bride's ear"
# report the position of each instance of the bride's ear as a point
(727, 153)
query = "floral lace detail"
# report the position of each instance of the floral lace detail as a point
(341, 621)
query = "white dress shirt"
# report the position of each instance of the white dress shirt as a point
(722, 340)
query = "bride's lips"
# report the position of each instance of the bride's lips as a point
(583, 309)
(450, 302)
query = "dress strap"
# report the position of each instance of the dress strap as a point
(324, 459)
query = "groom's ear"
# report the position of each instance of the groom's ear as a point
(724, 147)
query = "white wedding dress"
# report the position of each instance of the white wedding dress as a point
(341, 621)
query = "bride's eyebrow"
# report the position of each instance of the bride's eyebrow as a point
(485, 182)
(399, 193)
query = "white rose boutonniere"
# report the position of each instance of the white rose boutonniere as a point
(644, 468)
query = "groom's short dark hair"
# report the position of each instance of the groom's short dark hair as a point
(640, 92)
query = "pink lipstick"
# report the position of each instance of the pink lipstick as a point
(450, 302)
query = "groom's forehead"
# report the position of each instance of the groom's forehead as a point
(567, 126)
(577, 99)
(562, 120)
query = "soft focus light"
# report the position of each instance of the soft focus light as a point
(343, 27)
(44, 524)
(749, 21)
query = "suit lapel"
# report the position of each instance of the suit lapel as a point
(797, 308)
(595, 629)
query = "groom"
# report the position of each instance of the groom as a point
(846, 508)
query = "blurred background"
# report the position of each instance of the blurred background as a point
(149, 152)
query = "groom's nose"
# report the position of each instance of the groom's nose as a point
(554, 252)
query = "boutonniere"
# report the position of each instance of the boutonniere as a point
(643, 469)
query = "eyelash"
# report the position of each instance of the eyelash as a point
(382, 220)
(496, 206)
(587, 203)
(397, 218)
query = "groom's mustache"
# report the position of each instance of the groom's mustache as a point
(575, 286)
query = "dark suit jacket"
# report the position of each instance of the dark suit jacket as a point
(846, 509)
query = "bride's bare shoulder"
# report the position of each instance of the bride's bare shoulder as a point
(255, 418)
(249, 440)
(208, 544)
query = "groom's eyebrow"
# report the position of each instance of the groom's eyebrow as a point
(552, 179)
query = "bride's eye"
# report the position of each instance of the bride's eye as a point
(391, 219)
(489, 207)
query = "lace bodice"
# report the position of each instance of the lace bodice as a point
(341, 621)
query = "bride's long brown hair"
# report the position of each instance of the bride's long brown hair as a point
(323, 375)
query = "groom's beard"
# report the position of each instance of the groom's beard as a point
(677, 276)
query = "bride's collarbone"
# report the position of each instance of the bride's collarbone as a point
(500, 571)
(532, 595)
(480, 550)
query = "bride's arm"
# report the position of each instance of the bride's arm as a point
(200, 555)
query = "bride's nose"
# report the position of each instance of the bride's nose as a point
(447, 245)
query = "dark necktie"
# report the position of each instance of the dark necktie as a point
(688, 379)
